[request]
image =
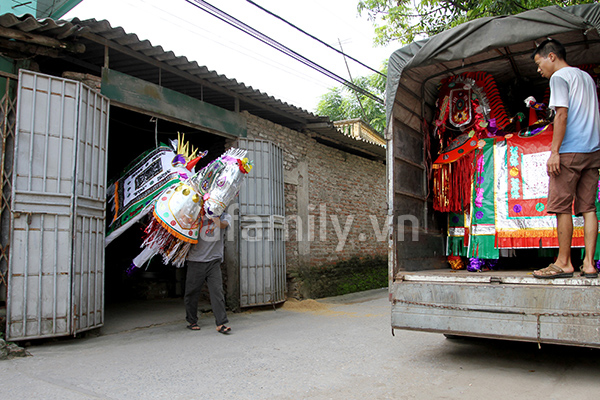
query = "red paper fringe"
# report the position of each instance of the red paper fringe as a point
(452, 185)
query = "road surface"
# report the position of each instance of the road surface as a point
(339, 348)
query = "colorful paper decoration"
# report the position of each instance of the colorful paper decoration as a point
(459, 147)
(508, 192)
(460, 109)
(178, 210)
(458, 234)
(226, 186)
(132, 195)
(482, 222)
(521, 195)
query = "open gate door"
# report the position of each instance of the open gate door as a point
(262, 217)
(56, 262)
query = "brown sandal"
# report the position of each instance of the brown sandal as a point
(193, 327)
(224, 329)
(552, 271)
(588, 274)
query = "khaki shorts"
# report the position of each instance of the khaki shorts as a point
(578, 180)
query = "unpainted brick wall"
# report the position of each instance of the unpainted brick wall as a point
(343, 188)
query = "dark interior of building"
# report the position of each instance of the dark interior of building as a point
(131, 134)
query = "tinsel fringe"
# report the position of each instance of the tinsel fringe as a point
(157, 240)
(452, 185)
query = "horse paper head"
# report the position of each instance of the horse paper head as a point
(220, 181)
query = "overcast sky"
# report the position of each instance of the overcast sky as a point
(188, 31)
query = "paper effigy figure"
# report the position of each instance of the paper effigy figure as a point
(490, 174)
(131, 196)
(177, 210)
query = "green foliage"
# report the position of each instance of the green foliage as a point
(341, 103)
(332, 104)
(407, 20)
(354, 275)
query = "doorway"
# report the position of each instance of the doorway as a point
(151, 294)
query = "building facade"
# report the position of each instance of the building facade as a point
(333, 185)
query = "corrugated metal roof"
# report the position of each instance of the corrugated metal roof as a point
(130, 55)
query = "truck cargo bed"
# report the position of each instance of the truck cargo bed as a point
(498, 304)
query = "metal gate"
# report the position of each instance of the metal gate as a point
(262, 217)
(56, 262)
(8, 106)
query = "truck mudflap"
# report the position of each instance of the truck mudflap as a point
(499, 304)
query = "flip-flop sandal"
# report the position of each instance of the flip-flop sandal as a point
(587, 274)
(193, 327)
(552, 271)
(224, 329)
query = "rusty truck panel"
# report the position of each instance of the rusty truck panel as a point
(501, 304)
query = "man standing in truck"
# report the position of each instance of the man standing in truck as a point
(574, 159)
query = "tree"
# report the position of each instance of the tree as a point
(407, 20)
(342, 103)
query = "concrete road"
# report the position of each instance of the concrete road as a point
(339, 348)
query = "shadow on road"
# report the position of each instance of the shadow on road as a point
(548, 357)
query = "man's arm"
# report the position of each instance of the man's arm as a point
(220, 223)
(560, 126)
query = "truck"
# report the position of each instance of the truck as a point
(425, 293)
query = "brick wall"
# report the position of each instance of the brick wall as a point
(330, 191)
(350, 195)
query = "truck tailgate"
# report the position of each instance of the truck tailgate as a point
(498, 304)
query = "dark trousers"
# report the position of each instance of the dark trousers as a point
(197, 274)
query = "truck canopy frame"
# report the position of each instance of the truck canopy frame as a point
(500, 304)
(496, 42)
(501, 46)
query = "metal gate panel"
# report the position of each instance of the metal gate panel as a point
(40, 299)
(8, 106)
(90, 204)
(40, 253)
(262, 216)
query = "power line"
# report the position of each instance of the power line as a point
(26, 4)
(223, 16)
(315, 38)
(223, 41)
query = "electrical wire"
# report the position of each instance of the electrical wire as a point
(234, 22)
(26, 4)
(197, 30)
(183, 22)
(315, 38)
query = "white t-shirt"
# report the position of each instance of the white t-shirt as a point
(211, 241)
(575, 89)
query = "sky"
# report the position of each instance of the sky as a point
(188, 31)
